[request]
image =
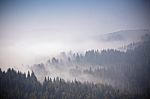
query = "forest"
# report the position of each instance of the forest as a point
(134, 64)
(125, 70)
(16, 85)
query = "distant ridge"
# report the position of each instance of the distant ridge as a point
(124, 35)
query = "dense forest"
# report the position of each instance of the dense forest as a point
(130, 68)
(16, 85)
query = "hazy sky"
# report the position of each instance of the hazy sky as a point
(33, 28)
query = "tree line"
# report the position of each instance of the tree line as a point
(16, 85)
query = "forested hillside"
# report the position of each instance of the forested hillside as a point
(126, 75)
(125, 70)
(130, 67)
(15, 85)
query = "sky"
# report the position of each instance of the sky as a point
(30, 29)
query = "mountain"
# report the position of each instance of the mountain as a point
(124, 35)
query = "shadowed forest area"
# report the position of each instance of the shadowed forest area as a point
(15, 85)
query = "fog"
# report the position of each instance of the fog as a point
(108, 66)
(32, 30)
